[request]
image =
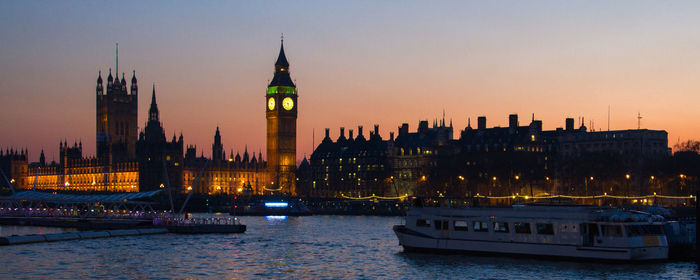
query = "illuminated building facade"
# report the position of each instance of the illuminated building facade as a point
(352, 166)
(225, 175)
(504, 160)
(73, 172)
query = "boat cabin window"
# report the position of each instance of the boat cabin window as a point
(612, 230)
(522, 228)
(545, 228)
(500, 227)
(642, 230)
(481, 227)
(443, 225)
(460, 225)
(422, 223)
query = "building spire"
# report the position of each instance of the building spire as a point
(153, 97)
(117, 59)
(153, 111)
(282, 77)
(282, 59)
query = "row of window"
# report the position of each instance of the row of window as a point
(540, 228)
(480, 226)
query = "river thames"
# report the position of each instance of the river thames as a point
(314, 247)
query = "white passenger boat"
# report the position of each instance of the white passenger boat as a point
(586, 232)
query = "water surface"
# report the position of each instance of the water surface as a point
(315, 247)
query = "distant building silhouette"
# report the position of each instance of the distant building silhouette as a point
(116, 119)
(155, 153)
(487, 161)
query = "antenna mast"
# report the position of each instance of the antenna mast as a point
(639, 120)
(608, 117)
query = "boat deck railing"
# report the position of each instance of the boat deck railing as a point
(79, 213)
(170, 221)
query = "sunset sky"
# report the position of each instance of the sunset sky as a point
(354, 62)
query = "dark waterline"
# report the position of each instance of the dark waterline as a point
(315, 247)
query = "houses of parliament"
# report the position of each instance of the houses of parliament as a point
(129, 160)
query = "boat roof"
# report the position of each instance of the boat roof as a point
(543, 212)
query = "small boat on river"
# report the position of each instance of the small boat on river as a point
(271, 207)
(190, 225)
(581, 232)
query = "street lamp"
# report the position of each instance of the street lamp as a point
(585, 181)
(494, 184)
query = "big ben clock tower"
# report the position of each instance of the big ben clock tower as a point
(281, 113)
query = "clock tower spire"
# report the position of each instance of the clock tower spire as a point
(281, 114)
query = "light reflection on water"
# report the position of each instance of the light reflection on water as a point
(25, 230)
(317, 247)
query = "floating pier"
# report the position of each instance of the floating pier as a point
(38, 238)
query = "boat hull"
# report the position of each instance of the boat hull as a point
(415, 241)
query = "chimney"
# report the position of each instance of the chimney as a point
(569, 124)
(359, 131)
(391, 136)
(423, 126)
(328, 132)
(403, 130)
(376, 129)
(342, 132)
(350, 135)
(513, 121)
(481, 122)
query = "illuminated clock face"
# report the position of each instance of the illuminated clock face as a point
(271, 103)
(288, 103)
